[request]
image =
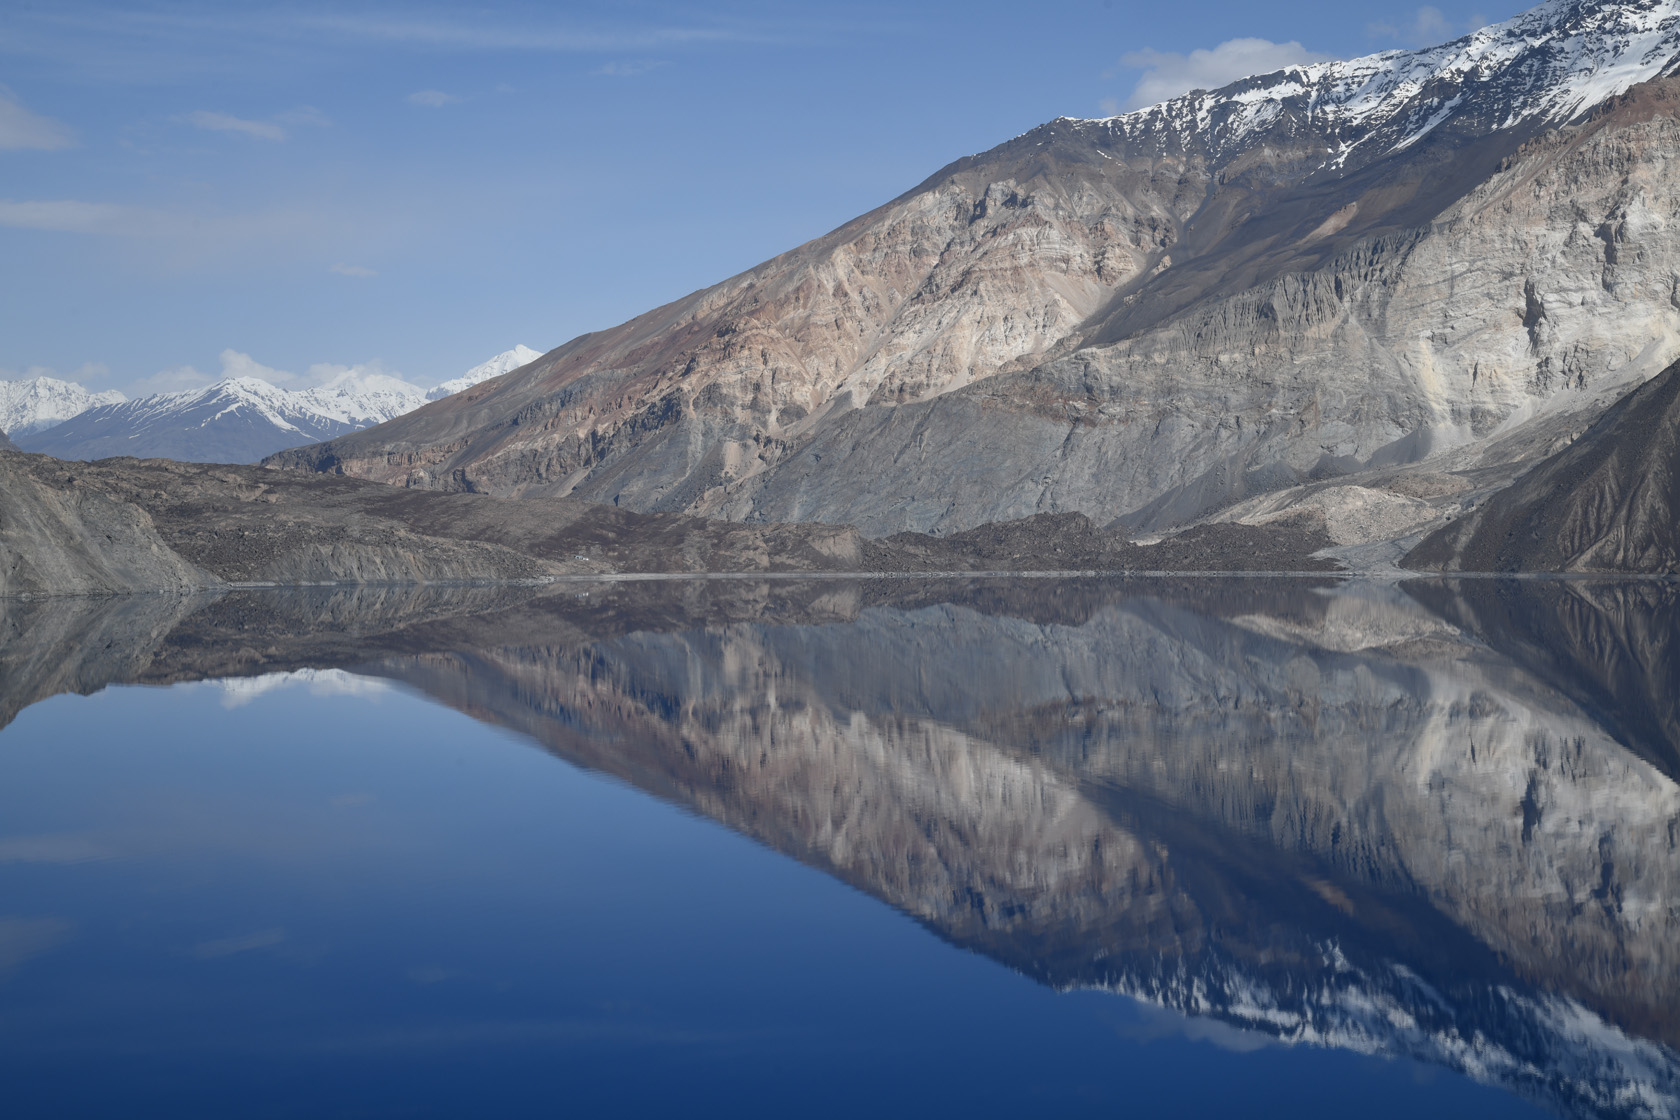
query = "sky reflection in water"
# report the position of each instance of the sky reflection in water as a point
(330, 894)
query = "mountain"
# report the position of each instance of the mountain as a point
(242, 419)
(41, 402)
(1610, 502)
(237, 420)
(504, 362)
(1455, 257)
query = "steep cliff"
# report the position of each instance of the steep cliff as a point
(1458, 255)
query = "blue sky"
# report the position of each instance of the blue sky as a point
(421, 186)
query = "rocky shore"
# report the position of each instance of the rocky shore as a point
(130, 525)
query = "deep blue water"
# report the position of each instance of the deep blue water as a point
(370, 906)
(340, 895)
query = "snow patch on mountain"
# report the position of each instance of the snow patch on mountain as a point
(241, 418)
(1547, 66)
(505, 362)
(37, 403)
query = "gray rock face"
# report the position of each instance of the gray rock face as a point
(1148, 318)
(71, 540)
(1420, 346)
(1610, 502)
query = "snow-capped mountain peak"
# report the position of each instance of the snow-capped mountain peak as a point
(239, 418)
(505, 362)
(38, 403)
(1546, 66)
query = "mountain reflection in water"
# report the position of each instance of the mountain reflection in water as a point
(1437, 821)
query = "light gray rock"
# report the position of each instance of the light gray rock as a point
(1143, 320)
(70, 539)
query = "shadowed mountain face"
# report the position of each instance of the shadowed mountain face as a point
(1315, 812)
(1612, 648)
(1610, 502)
(1463, 253)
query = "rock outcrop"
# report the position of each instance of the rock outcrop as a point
(1610, 502)
(70, 540)
(1456, 256)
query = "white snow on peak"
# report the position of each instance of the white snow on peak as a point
(505, 362)
(36, 403)
(362, 399)
(239, 691)
(1548, 65)
(357, 397)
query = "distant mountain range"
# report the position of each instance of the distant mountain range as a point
(236, 420)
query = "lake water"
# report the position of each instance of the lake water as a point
(891, 847)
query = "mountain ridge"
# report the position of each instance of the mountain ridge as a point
(1079, 321)
(242, 419)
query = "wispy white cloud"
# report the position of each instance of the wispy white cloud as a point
(1427, 26)
(303, 115)
(629, 69)
(196, 237)
(238, 364)
(22, 938)
(1166, 74)
(229, 946)
(235, 363)
(19, 128)
(72, 216)
(275, 128)
(464, 36)
(55, 847)
(432, 98)
(227, 122)
(359, 271)
(176, 379)
(83, 374)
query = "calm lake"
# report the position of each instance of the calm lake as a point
(1193, 847)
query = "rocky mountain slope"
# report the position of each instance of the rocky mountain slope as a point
(1455, 257)
(1610, 502)
(239, 419)
(39, 403)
